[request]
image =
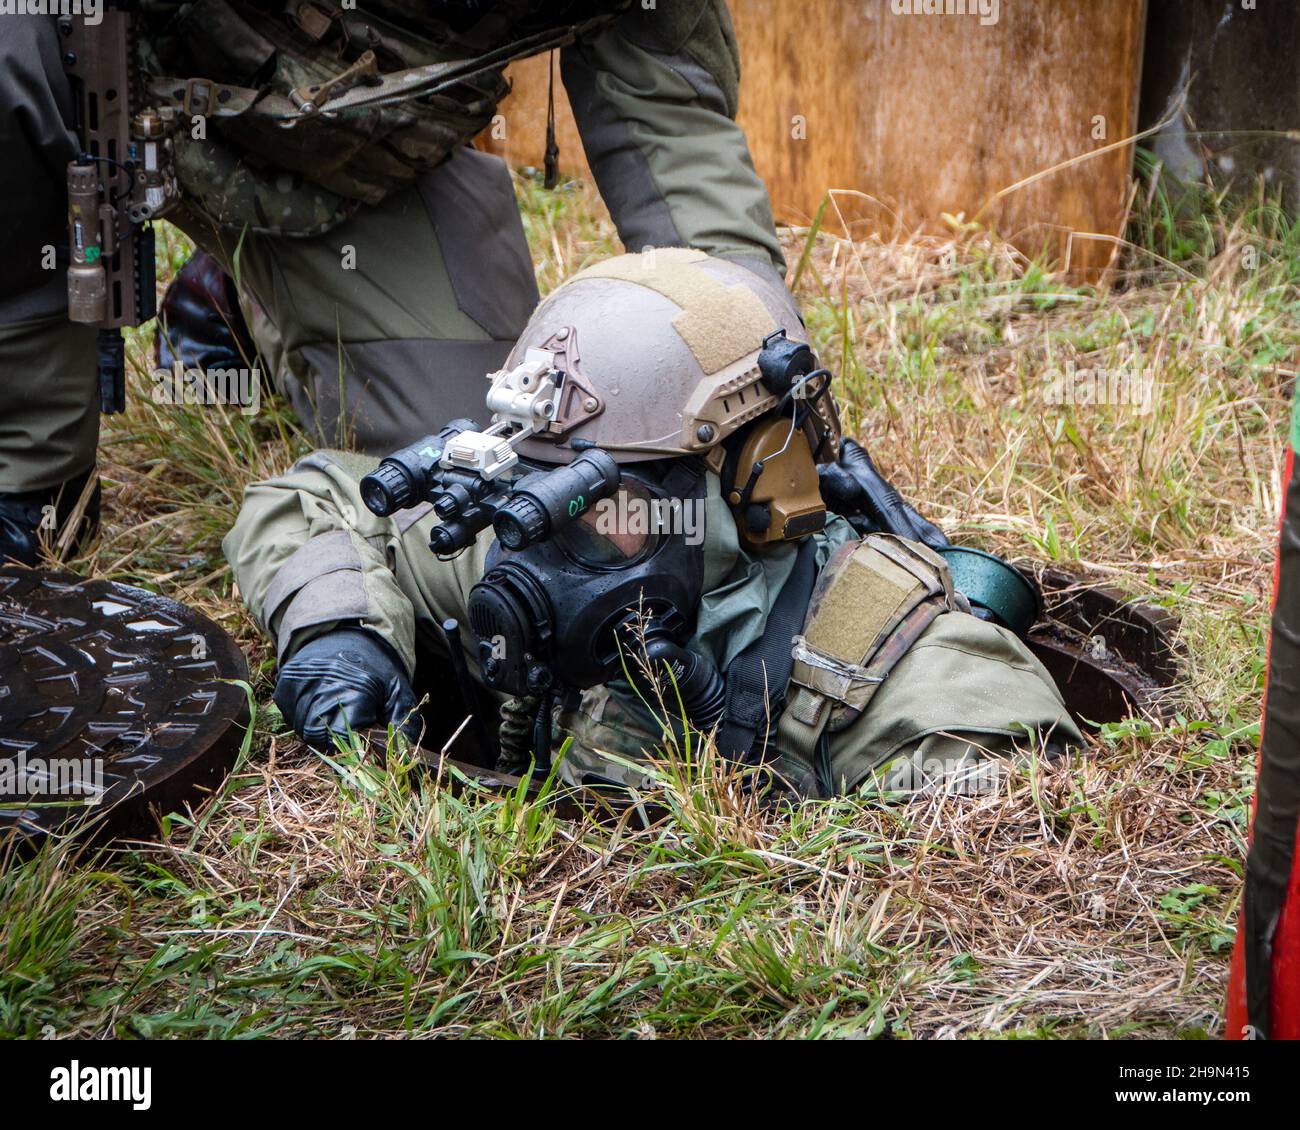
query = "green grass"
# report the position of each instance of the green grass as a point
(331, 897)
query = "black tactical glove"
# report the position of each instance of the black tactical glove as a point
(854, 488)
(349, 678)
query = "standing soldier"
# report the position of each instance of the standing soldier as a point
(385, 257)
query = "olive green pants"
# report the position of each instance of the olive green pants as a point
(49, 411)
(382, 329)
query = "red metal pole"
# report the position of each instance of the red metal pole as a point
(1264, 984)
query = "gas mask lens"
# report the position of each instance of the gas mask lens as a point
(617, 532)
(547, 615)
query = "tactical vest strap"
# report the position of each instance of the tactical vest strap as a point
(361, 85)
(873, 601)
(757, 678)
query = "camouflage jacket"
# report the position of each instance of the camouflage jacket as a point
(227, 65)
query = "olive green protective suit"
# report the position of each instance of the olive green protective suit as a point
(379, 328)
(308, 555)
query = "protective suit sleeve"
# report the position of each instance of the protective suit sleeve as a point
(655, 98)
(307, 556)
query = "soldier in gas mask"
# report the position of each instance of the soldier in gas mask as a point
(322, 157)
(641, 543)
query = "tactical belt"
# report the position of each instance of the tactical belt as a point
(361, 85)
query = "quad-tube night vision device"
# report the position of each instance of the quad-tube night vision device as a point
(474, 478)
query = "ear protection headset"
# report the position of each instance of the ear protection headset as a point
(769, 476)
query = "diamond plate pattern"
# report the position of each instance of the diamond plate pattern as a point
(128, 685)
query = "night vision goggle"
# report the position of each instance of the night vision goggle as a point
(473, 476)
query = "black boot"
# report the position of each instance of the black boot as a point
(200, 324)
(25, 518)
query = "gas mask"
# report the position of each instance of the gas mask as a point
(597, 570)
(573, 610)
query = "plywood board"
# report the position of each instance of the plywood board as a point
(913, 116)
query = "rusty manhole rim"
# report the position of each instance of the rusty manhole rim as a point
(1093, 628)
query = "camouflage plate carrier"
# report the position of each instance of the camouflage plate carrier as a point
(304, 110)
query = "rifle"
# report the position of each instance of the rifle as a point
(122, 178)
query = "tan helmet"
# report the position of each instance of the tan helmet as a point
(660, 353)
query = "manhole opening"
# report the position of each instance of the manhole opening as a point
(1113, 657)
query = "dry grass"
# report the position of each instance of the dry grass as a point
(1095, 897)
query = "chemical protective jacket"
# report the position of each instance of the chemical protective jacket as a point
(908, 689)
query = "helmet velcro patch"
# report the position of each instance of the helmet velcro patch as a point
(720, 324)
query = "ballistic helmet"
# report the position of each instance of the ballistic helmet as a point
(668, 353)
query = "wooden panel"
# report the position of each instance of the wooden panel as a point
(914, 116)
(519, 133)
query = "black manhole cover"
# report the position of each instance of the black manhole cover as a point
(113, 702)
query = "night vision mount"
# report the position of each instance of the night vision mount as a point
(471, 476)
